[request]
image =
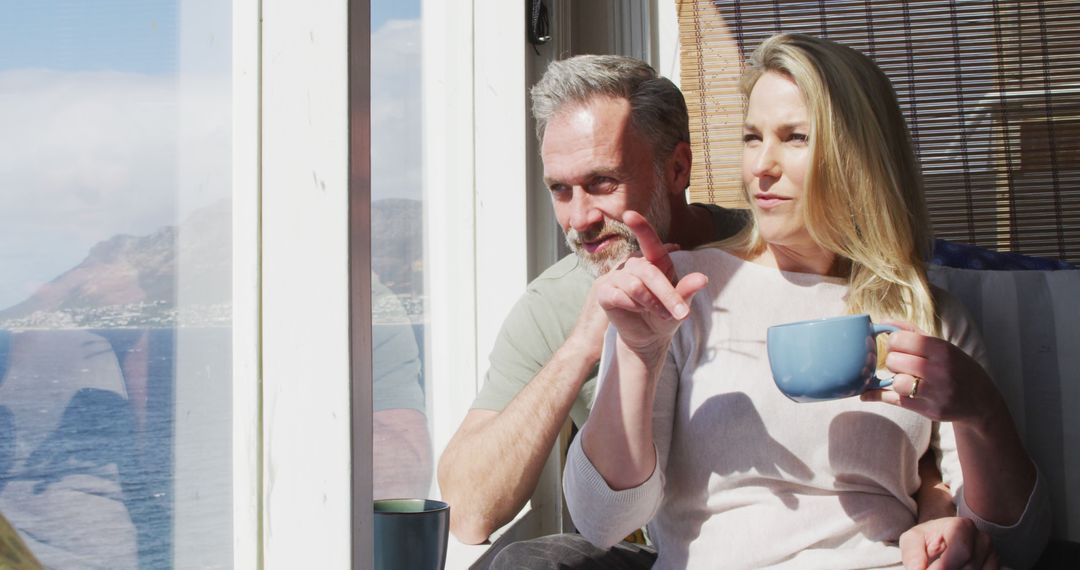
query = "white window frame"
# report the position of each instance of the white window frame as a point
(303, 516)
(476, 168)
(246, 395)
(302, 374)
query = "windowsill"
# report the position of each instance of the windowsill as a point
(461, 555)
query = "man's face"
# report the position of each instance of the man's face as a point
(597, 167)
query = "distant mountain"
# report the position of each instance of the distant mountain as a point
(128, 281)
(397, 244)
(126, 270)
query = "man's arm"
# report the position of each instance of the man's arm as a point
(492, 464)
(933, 497)
(939, 533)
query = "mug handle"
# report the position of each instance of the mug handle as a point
(879, 382)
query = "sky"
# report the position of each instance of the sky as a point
(138, 36)
(395, 111)
(116, 119)
(382, 11)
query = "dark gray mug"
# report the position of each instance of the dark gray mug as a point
(411, 534)
(826, 359)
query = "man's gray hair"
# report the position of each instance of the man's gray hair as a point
(657, 108)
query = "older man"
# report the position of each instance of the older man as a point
(614, 137)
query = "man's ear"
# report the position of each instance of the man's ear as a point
(678, 168)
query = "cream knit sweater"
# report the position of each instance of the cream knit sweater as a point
(745, 477)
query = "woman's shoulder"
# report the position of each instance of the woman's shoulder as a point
(949, 310)
(957, 324)
(717, 264)
(716, 261)
(705, 258)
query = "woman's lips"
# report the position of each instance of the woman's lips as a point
(769, 201)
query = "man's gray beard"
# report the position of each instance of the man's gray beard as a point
(658, 215)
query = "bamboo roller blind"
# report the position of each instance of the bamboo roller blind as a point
(990, 90)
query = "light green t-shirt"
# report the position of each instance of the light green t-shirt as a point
(535, 328)
(542, 319)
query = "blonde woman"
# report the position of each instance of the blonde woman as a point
(688, 432)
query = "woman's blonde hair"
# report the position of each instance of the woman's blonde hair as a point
(863, 192)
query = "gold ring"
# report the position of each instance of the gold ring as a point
(914, 388)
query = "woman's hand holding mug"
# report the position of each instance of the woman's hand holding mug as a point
(937, 379)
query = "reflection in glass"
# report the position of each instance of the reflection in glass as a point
(115, 299)
(401, 444)
(403, 465)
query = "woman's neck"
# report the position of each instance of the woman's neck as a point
(813, 259)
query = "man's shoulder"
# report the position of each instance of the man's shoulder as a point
(567, 274)
(560, 289)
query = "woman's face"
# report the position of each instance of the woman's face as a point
(776, 156)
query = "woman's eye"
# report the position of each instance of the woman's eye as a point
(799, 137)
(750, 137)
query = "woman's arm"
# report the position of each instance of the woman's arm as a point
(946, 380)
(645, 304)
(603, 514)
(951, 386)
(618, 437)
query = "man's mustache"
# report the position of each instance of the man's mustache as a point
(610, 228)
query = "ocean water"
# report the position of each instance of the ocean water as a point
(90, 446)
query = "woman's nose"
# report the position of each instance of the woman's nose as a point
(765, 164)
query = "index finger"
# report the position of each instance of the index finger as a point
(912, 340)
(652, 247)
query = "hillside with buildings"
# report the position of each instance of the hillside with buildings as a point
(131, 281)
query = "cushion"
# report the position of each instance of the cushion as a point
(1031, 323)
(956, 254)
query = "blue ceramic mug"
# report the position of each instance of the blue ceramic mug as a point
(826, 359)
(411, 533)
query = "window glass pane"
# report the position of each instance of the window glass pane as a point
(115, 326)
(402, 442)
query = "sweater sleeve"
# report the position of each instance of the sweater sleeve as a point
(1019, 544)
(602, 515)
(605, 516)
